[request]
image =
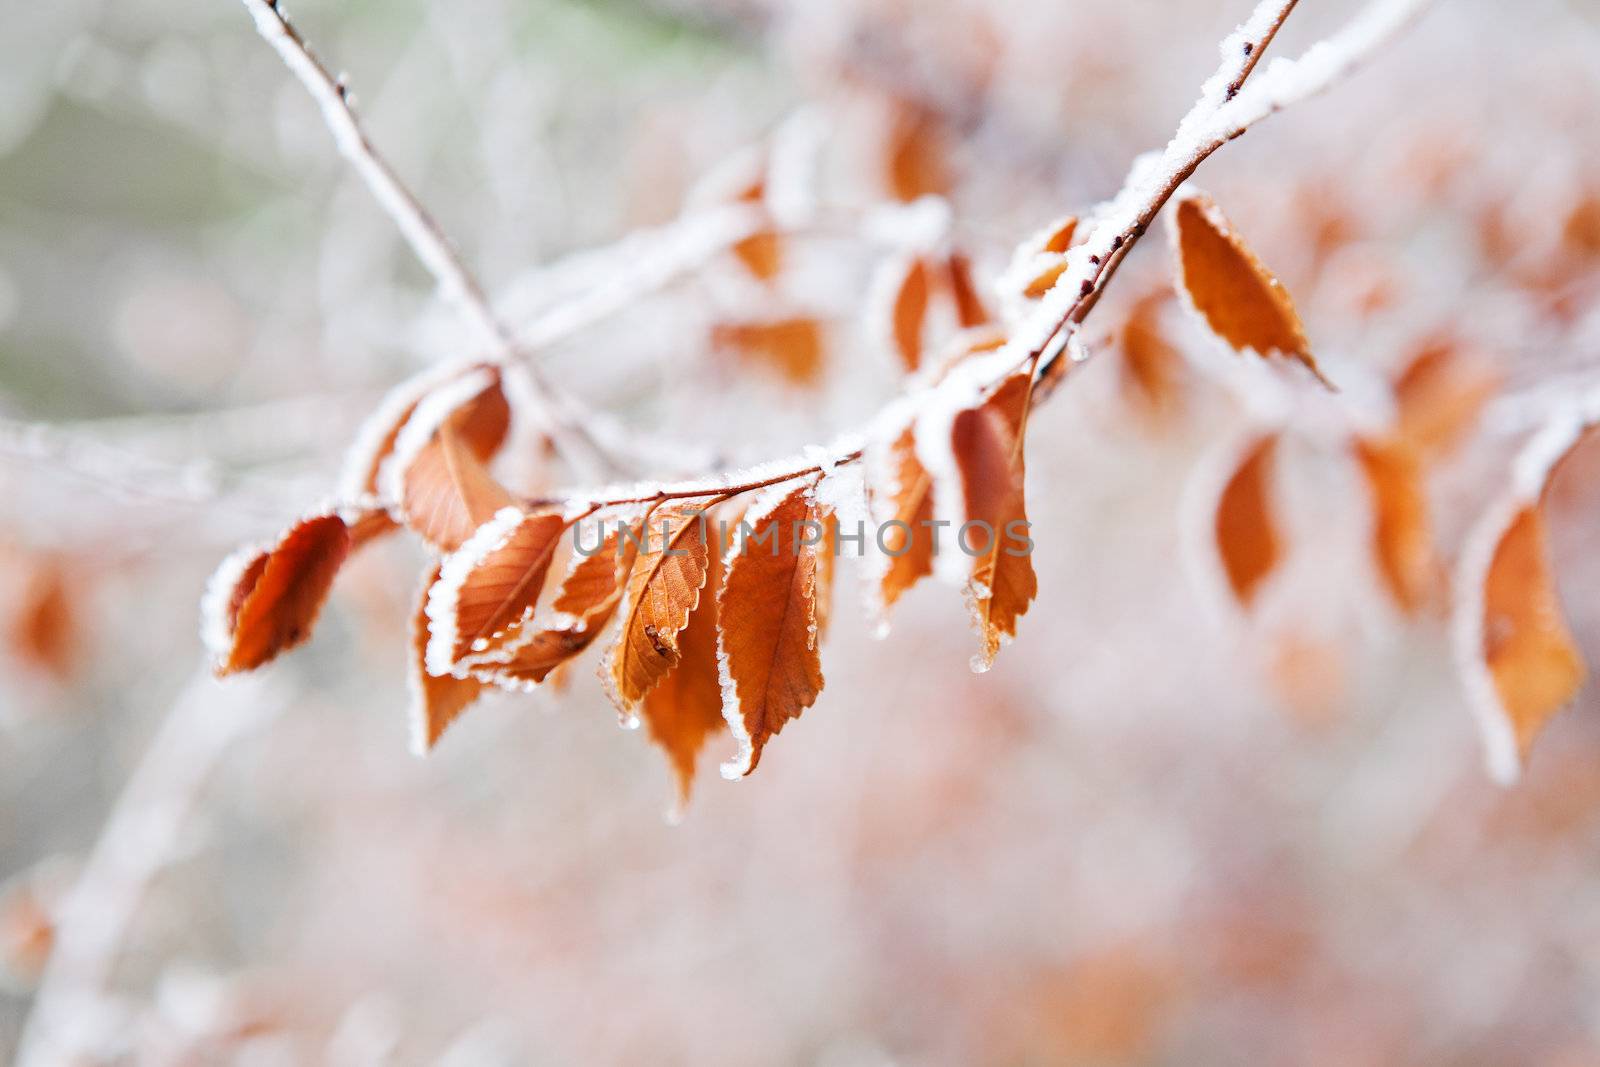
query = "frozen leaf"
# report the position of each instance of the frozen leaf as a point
(791, 346)
(1402, 543)
(491, 584)
(987, 442)
(1249, 542)
(1526, 647)
(684, 709)
(437, 700)
(663, 589)
(1519, 658)
(1230, 289)
(586, 602)
(771, 671)
(261, 602)
(446, 492)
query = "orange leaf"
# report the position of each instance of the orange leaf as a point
(491, 585)
(910, 313)
(43, 629)
(792, 346)
(1528, 650)
(1042, 258)
(915, 163)
(663, 589)
(987, 442)
(685, 707)
(261, 602)
(436, 700)
(1150, 364)
(1248, 538)
(1401, 539)
(1440, 394)
(761, 253)
(1521, 663)
(481, 418)
(768, 624)
(904, 501)
(446, 493)
(588, 598)
(1230, 289)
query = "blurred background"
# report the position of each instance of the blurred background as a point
(1160, 831)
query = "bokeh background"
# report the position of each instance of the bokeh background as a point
(1159, 831)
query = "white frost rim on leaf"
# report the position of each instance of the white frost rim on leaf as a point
(431, 413)
(1530, 474)
(444, 597)
(215, 632)
(365, 452)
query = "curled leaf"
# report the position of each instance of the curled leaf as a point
(969, 305)
(1515, 649)
(768, 628)
(1231, 290)
(261, 602)
(663, 589)
(1150, 364)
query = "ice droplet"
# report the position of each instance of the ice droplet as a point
(880, 630)
(628, 722)
(980, 664)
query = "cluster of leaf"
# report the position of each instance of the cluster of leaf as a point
(710, 635)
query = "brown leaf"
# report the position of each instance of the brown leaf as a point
(1045, 256)
(768, 624)
(436, 700)
(762, 254)
(1440, 395)
(903, 502)
(1530, 654)
(663, 589)
(987, 442)
(491, 585)
(587, 600)
(446, 492)
(481, 420)
(1402, 542)
(910, 312)
(1248, 539)
(1230, 289)
(684, 709)
(263, 602)
(792, 346)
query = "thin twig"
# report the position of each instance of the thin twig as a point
(1223, 111)
(421, 231)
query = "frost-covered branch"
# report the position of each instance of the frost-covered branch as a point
(421, 231)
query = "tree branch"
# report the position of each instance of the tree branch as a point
(421, 231)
